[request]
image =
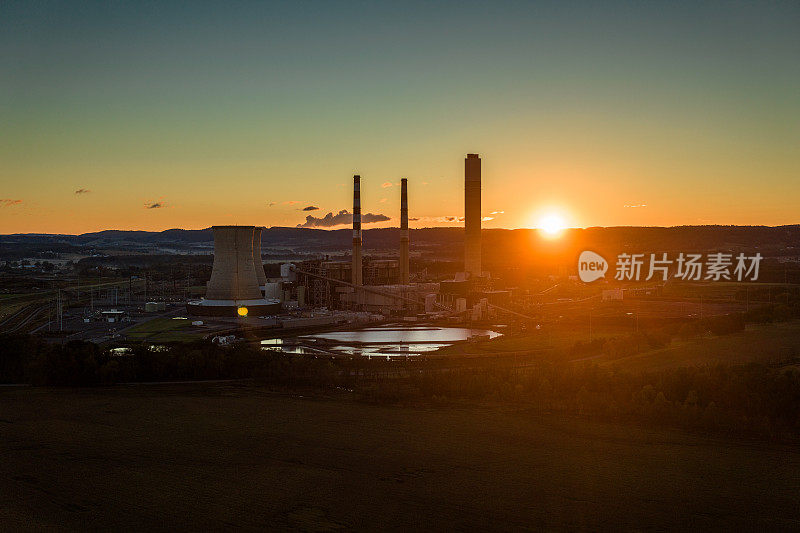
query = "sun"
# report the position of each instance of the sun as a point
(551, 225)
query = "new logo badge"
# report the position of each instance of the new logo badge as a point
(591, 266)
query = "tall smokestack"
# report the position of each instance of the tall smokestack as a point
(404, 270)
(357, 272)
(472, 215)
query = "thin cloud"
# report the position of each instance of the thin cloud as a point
(291, 202)
(487, 219)
(382, 201)
(310, 208)
(154, 205)
(633, 206)
(271, 204)
(386, 184)
(497, 213)
(439, 220)
(339, 219)
(371, 218)
(82, 191)
(8, 202)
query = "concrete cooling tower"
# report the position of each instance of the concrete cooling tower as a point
(234, 282)
(257, 264)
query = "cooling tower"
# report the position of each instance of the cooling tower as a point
(357, 274)
(257, 264)
(472, 215)
(233, 276)
(234, 284)
(404, 266)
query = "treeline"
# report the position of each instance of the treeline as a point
(649, 339)
(747, 400)
(28, 359)
(752, 400)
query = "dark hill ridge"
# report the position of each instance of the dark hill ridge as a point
(779, 240)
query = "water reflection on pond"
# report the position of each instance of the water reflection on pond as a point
(385, 341)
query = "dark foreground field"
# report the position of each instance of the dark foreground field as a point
(214, 456)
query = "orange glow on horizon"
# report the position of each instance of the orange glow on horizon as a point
(551, 223)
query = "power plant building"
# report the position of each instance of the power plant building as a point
(377, 284)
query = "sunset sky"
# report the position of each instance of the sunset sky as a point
(156, 115)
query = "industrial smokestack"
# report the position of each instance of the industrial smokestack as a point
(472, 215)
(404, 269)
(257, 264)
(356, 269)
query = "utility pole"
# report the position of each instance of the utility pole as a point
(60, 313)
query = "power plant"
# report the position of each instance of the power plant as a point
(377, 285)
(235, 286)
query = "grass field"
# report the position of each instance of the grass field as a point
(762, 343)
(164, 330)
(557, 337)
(208, 457)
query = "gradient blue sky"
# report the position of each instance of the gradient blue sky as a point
(229, 112)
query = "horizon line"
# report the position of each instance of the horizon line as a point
(345, 227)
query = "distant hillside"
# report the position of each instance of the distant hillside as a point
(522, 245)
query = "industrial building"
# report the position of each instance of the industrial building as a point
(235, 288)
(470, 292)
(366, 284)
(376, 285)
(384, 285)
